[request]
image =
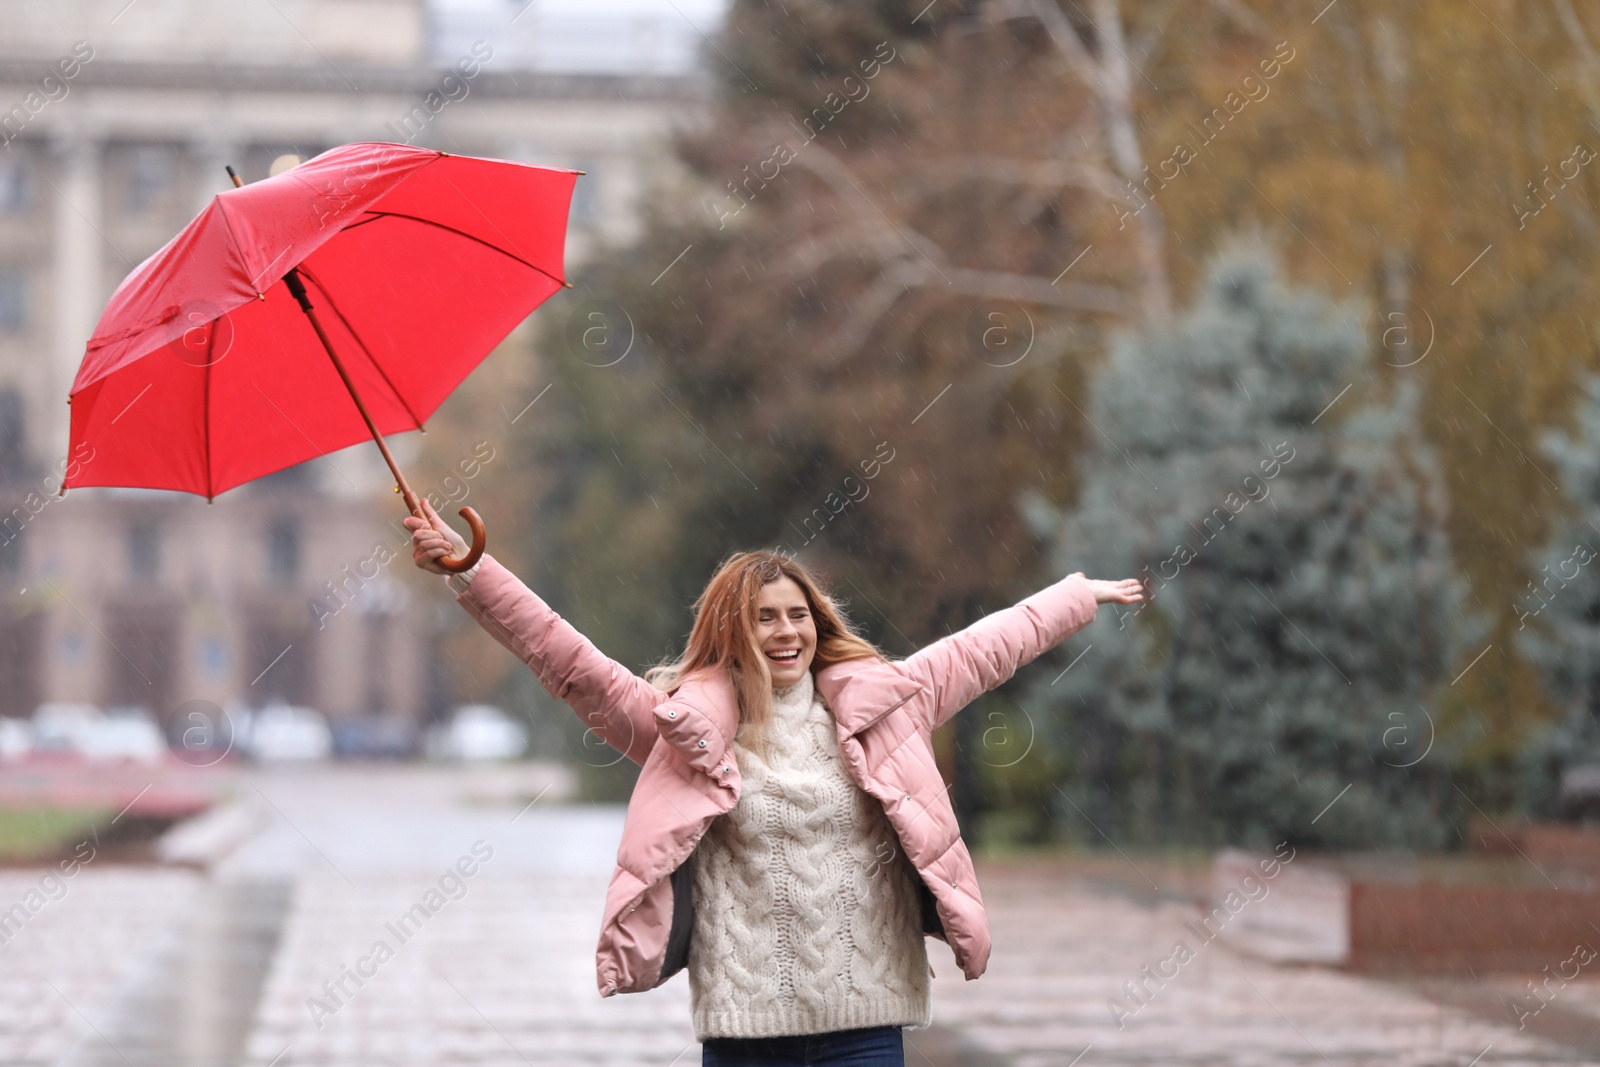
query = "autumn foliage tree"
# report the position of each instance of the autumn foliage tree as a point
(911, 230)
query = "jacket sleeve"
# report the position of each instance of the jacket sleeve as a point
(610, 699)
(955, 670)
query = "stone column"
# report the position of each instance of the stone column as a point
(73, 656)
(77, 273)
(210, 154)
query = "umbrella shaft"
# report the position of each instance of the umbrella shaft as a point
(298, 290)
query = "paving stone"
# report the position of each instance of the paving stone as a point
(1062, 952)
(64, 968)
(501, 971)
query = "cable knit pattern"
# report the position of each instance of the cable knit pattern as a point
(806, 916)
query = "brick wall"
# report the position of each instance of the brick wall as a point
(1464, 929)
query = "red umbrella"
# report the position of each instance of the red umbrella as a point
(343, 298)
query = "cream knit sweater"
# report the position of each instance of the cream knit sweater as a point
(806, 917)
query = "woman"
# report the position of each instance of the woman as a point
(790, 840)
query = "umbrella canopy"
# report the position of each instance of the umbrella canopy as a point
(205, 373)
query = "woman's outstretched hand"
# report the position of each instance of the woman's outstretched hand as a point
(1125, 591)
(432, 539)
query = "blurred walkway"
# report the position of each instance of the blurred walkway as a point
(1063, 951)
(394, 916)
(75, 951)
(497, 965)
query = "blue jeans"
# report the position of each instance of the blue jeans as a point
(875, 1046)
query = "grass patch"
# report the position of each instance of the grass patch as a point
(32, 834)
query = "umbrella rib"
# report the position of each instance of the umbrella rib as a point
(205, 404)
(238, 249)
(459, 233)
(304, 273)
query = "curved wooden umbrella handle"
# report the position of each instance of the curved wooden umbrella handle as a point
(479, 539)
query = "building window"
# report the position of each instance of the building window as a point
(144, 550)
(13, 299)
(298, 478)
(214, 655)
(586, 194)
(149, 176)
(283, 551)
(21, 663)
(15, 188)
(13, 434)
(10, 551)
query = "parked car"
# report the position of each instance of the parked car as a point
(60, 727)
(374, 737)
(1580, 793)
(16, 738)
(284, 732)
(202, 734)
(478, 732)
(124, 733)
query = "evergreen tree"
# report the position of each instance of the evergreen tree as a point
(1304, 609)
(1559, 613)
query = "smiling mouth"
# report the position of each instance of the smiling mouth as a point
(786, 655)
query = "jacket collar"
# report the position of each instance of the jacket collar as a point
(862, 691)
(859, 692)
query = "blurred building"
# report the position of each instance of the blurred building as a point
(117, 119)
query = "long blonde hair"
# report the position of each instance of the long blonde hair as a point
(724, 632)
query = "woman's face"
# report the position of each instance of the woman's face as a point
(785, 631)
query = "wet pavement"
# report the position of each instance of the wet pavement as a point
(78, 951)
(192, 999)
(409, 916)
(1057, 990)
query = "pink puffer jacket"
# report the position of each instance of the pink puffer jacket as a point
(885, 713)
